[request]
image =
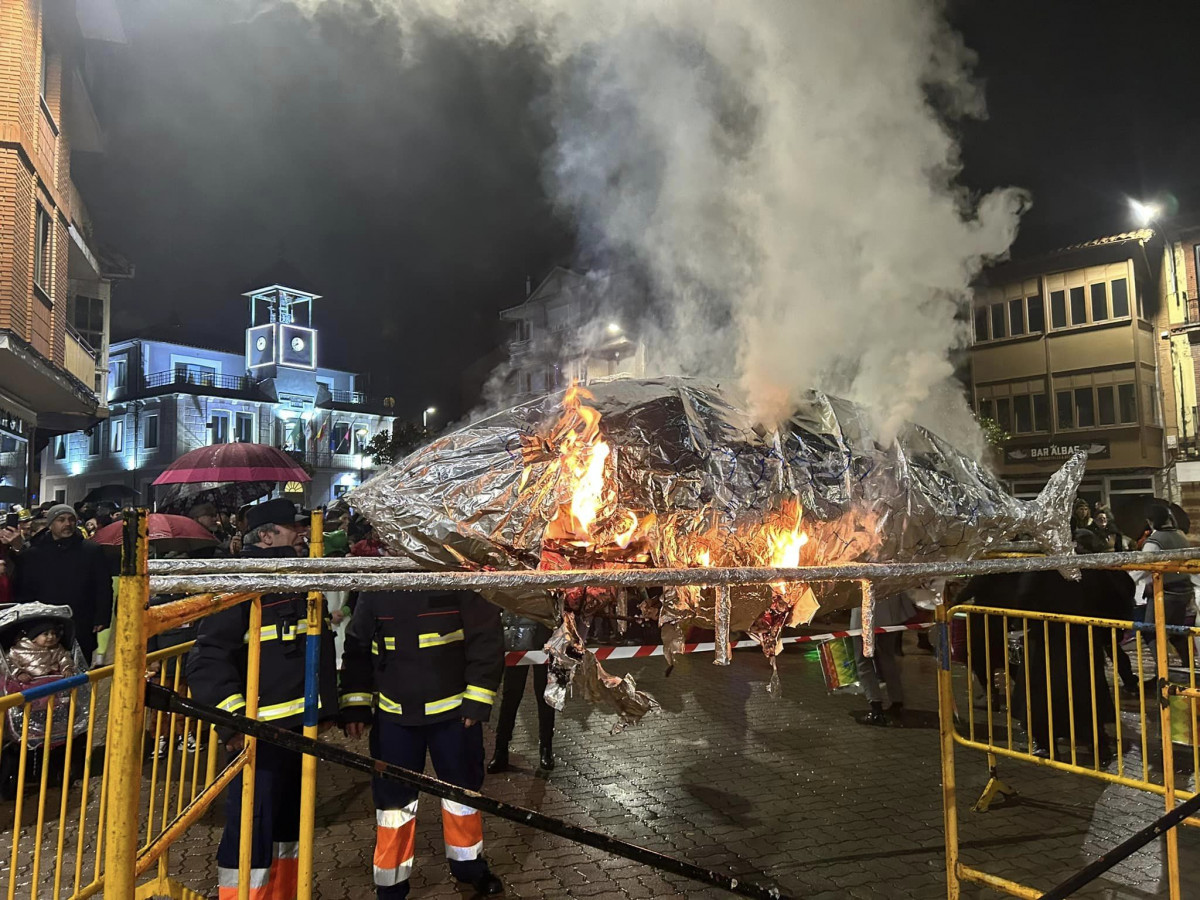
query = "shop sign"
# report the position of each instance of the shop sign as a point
(1054, 452)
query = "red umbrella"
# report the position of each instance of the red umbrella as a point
(233, 462)
(166, 533)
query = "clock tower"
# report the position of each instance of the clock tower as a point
(281, 346)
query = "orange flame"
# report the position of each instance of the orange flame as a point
(784, 543)
(623, 538)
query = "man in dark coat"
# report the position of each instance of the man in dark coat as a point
(216, 673)
(420, 672)
(1098, 593)
(60, 568)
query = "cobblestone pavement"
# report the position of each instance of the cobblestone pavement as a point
(789, 791)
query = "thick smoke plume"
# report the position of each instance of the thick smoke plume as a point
(781, 173)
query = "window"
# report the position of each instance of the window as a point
(985, 409)
(339, 440)
(220, 428)
(1066, 409)
(1058, 309)
(116, 434)
(1041, 412)
(1106, 408)
(60, 495)
(1016, 316)
(243, 431)
(1037, 315)
(44, 73)
(150, 432)
(522, 330)
(190, 373)
(998, 325)
(87, 315)
(1127, 402)
(1023, 414)
(42, 250)
(94, 439)
(1078, 307)
(1099, 302)
(981, 325)
(1085, 410)
(1120, 298)
(1151, 413)
(118, 373)
(1004, 413)
(60, 447)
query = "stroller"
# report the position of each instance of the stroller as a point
(15, 620)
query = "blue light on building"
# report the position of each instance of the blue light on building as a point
(167, 399)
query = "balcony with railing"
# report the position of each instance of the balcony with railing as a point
(79, 358)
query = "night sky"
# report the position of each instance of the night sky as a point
(411, 196)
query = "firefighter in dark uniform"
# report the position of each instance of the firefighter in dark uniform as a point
(423, 669)
(216, 672)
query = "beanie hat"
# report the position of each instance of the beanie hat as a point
(60, 509)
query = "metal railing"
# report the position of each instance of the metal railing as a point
(197, 379)
(356, 398)
(135, 827)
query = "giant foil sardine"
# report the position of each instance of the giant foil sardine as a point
(671, 472)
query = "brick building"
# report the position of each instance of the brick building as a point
(1179, 356)
(54, 284)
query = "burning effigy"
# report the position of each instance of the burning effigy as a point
(671, 473)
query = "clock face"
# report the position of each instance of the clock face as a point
(297, 344)
(261, 343)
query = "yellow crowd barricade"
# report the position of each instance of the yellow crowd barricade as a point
(1056, 674)
(111, 801)
(111, 829)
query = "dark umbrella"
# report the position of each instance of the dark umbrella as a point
(226, 495)
(233, 462)
(111, 493)
(166, 533)
(1182, 520)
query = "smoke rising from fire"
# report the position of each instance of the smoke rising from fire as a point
(779, 172)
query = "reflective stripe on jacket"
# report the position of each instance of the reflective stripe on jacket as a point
(422, 657)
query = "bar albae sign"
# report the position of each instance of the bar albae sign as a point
(1054, 452)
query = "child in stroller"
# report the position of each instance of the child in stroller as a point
(38, 651)
(37, 647)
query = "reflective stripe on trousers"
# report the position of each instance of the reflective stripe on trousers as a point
(260, 884)
(462, 830)
(395, 843)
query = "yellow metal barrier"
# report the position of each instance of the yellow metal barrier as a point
(1044, 665)
(121, 804)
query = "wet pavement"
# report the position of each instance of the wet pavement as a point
(790, 791)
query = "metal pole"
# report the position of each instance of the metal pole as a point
(126, 710)
(1165, 824)
(1168, 749)
(250, 772)
(946, 732)
(312, 688)
(160, 697)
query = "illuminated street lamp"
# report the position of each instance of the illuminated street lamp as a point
(614, 328)
(1144, 213)
(428, 411)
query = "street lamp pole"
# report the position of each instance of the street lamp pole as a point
(425, 414)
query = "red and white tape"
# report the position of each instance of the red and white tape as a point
(538, 657)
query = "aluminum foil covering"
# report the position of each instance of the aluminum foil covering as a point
(689, 479)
